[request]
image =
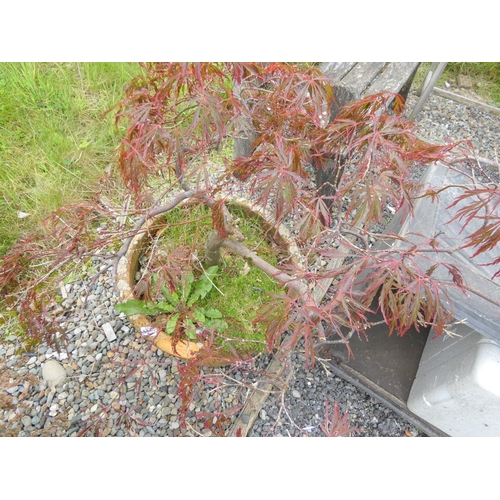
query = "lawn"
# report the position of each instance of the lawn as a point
(485, 77)
(54, 142)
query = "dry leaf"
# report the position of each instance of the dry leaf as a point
(245, 270)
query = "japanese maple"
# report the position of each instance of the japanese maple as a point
(330, 182)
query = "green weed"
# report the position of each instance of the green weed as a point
(182, 305)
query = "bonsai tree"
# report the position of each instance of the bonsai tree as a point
(206, 131)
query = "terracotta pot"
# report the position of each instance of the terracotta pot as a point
(129, 265)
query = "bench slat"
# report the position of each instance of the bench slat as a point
(362, 75)
(355, 80)
(335, 71)
(393, 78)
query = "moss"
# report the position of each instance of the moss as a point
(241, 288)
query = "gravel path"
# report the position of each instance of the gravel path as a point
(116, 385)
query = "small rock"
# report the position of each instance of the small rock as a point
(12, 361)
(385, 426)
(295, 393)
(109, 332)
(464, 81)
(114, 395)
(53, 373)
(50, 397)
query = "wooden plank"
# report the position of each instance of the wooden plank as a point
(323, 285)
(393, 78)
(336, 70)
(362, 75)
(342, 95)
(391, 362)
(248, 415)
(365, 384)
(468, 102)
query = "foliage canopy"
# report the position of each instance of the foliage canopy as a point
(275, 119)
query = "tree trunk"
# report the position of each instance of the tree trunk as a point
(245, 133)
(328, 172)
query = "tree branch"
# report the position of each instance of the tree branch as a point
(477, 159)
(300, 288)
(142, 220)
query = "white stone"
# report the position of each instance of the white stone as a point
(26, 421)
(57, 355)
(53, 373)
(109, 332)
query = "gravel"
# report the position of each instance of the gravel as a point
(118, 385)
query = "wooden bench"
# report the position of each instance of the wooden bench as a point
(354, 80)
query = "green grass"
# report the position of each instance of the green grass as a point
(244, 287)
(54, 145)
(485, 77)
